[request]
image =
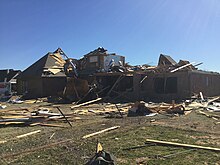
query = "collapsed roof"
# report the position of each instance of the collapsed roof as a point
(50, 65)
(99, 50)
(166, 60)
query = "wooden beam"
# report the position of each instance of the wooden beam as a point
(116, 82)
(49, 125)
(181, 67)
(17, 109)
(21, 136)
(119, 110)
(182, 145)
(143, 80)
(28, 134)
(86, 103)
(99, 132)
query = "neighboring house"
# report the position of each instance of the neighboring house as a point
(160, 84)
(99, 60)
(8, 81)
(46, 77)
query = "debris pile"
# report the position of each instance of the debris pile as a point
(105, 109)
(27, 117)
(151, 109)
(139, 109)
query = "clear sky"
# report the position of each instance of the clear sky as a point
(137, 29)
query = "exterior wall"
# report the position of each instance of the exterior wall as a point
(19, 86)
(147, 89)
(188, 84)
(53, 86)
(41, 87)
(208, 84)
(32, 88)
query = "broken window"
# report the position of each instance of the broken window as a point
(93, 59)
(171, 85)
(165, 85)
(159, 85)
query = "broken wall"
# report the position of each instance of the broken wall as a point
(100, 61)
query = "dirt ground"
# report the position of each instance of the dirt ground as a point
(54, 145)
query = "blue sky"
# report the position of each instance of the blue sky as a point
(137, 29)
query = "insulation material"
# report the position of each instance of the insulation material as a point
(54, 71)
(58, 58)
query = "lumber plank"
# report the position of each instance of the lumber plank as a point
(116, 82)
(20, 136)
(181, 67)
(49, 125)
(86, 103)
(17, 109)
(99, 132)
(3, 141)
(182, 145)
(28, 134)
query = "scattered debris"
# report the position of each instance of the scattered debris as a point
(214, 116)
(16, 101)
(35, 117)
(139, 109)
(152, 109)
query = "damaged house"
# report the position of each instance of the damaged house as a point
(106, 74)
(174, 81)
(52, 75)
(46, 77)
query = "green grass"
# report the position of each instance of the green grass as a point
(133, 132)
